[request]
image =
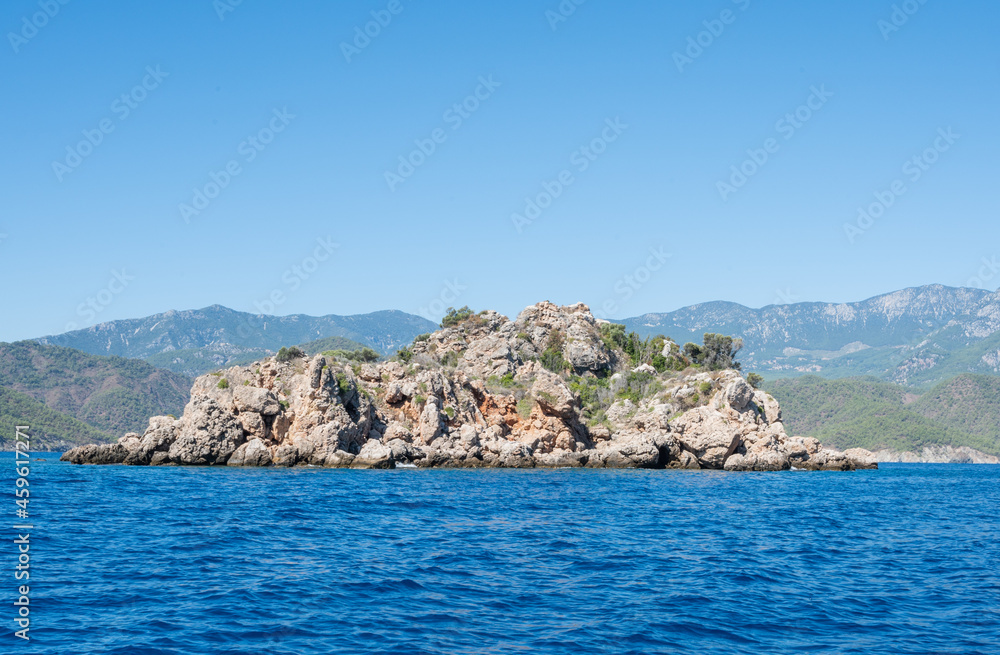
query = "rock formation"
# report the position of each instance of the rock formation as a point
(488, 392)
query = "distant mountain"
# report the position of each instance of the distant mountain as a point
(919, 336)
(199, 341)
(112, 395)
(872, 414)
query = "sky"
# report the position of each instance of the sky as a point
(348, 157)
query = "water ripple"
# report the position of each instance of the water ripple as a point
(171, 561)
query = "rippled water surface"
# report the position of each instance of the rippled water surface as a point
(182, 560)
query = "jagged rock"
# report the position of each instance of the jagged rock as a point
(708, 435)
(374, 455)
(209, 434)
(252, 453)
(738, 394)
(261, 401)
(130, 441)
(561, 459)
(627, 450)
(114, 453)
(861, 458)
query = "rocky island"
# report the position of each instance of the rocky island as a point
(553, 388)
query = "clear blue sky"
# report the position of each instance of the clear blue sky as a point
(780, 236)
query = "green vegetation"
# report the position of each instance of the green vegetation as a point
(552, 356)
(364, 354)
(639, 385)
(223, 383)
(331, 343)
(288, 354)
(422, 337)
(404, 355)
(524, 407)
(111, 394)
(455, 317)
(869, 413)
(755, 380)
(48, 428)
(450, 358)
(716, 353)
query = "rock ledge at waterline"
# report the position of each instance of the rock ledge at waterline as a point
(476, 395)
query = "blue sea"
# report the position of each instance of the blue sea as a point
(143, 561)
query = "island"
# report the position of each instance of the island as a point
(553, 388)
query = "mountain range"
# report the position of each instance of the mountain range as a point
(198, 341)
(916, 337)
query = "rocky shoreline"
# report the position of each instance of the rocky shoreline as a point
(937, 455)
(549, 389)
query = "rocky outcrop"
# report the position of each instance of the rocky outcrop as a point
(937, 455)
(477, 395)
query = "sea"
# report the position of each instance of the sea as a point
(195, 561)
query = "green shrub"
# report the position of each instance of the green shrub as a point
(523, 336)
(343, 384)
(450, 358)
(419, 400)
(422, 337)
(717, 352)
(223, 383)
(365, 354)
(456, 316)
(755, 380)
(552, 357)
(524, 407)
(450, 411)
(288, 354)
(705, 388)
(405, 355)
